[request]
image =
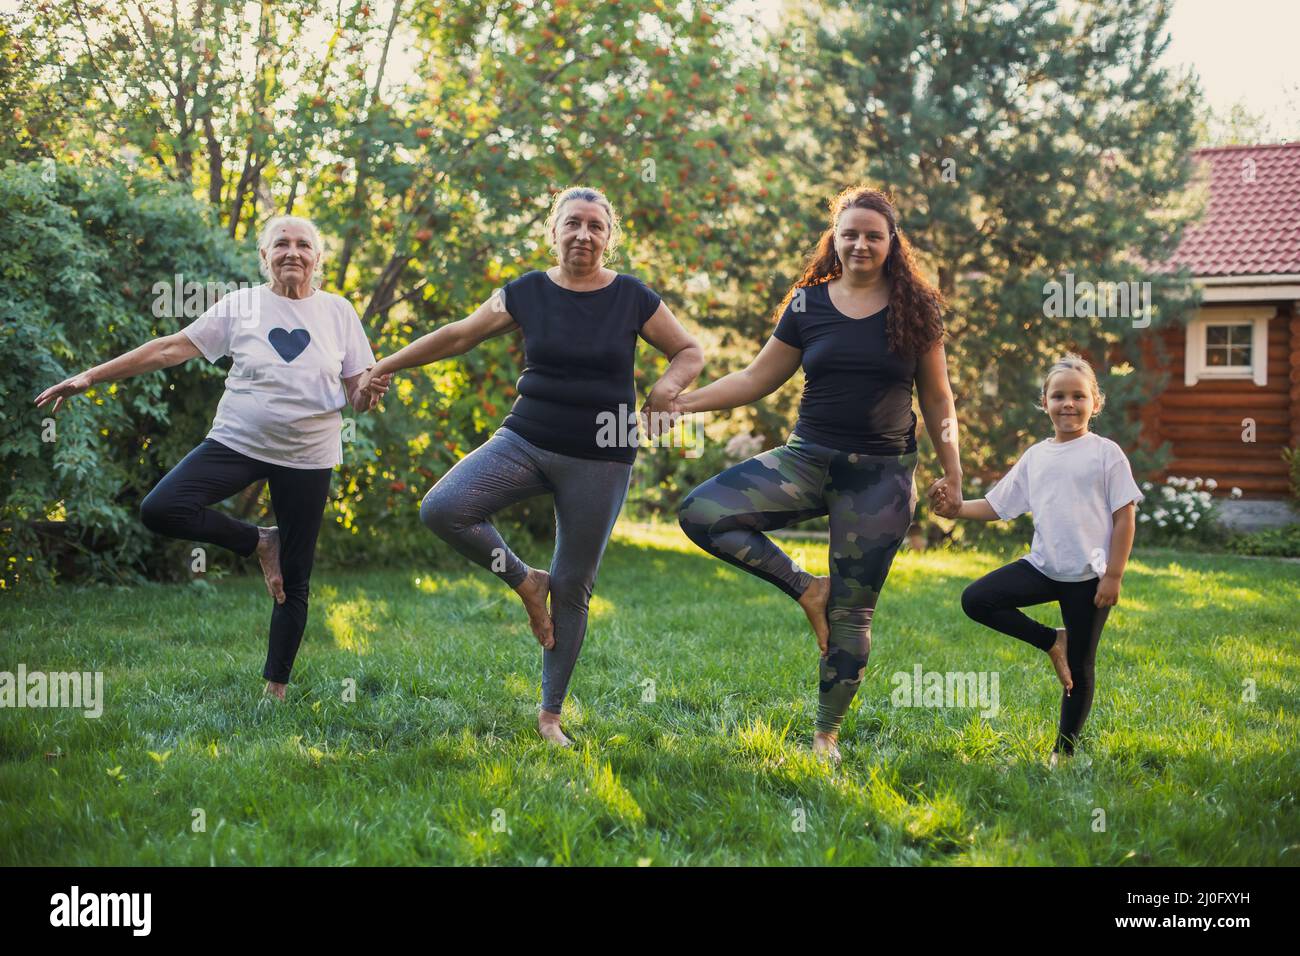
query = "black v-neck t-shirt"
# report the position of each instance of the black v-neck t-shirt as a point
(579, 355)
(857, 393)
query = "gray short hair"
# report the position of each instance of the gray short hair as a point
(587, 194)
(264, 245)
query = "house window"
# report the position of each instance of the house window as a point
(1228, 346)
(1226, 343)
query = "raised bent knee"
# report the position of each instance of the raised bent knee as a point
(156, 514)
(973, 603)
(693, 520)
(440, 515)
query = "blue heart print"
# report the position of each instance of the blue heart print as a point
(289, 344)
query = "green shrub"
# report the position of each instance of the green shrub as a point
(1292, 458)
(1281, 542)
(81, 251)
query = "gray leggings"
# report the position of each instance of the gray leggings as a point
(588, 496)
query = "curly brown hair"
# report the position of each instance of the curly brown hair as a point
(914, 324)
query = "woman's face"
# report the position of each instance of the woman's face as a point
(291, 255)
(862, 241)
(1068, 400)
(580, 235)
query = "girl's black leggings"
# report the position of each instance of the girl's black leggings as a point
(995, 599)
(178, 507)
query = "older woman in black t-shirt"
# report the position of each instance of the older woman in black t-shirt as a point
(572, 432)
(865, 326)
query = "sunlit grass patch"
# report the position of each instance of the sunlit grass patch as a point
(409, 735)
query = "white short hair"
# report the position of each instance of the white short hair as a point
(264, 245)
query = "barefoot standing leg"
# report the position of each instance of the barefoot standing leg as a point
(825, 745)
(548, 725)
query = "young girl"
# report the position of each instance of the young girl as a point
(1080, 489)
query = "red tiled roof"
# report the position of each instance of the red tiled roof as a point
(1251, 225)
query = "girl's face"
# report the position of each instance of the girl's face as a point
(862, 241)
(1069, 402)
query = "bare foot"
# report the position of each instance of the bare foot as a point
(1057, 759)
(548, 725)
(824, 746)
(268, 555)
(1057, 654)
(274, 690)
(814, 601)
(533, 591)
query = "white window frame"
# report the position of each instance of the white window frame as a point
(1194, 364)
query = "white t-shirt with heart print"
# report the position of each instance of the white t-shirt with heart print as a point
(285, 389)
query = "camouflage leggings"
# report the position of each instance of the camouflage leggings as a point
(870, 500)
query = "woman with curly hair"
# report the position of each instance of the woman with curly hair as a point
(865, 326)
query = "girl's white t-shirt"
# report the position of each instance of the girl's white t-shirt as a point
(1073, 489)
(285, 389)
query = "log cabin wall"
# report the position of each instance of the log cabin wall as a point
(1204, 422)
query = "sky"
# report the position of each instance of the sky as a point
(1243, 50)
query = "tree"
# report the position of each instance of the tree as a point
(1021, 142)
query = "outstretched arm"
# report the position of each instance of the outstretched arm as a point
(769, 370)
(455, 338)
(977, 510)
(162, 352)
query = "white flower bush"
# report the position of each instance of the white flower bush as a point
(1182, 506)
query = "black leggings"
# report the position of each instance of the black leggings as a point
(178, 508)
(994, 601)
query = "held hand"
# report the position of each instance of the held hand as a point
(372, 388)
(661, 409)
(1107, 592)
(942, 506)
(378, 387)
(945, 496)
(64, 390)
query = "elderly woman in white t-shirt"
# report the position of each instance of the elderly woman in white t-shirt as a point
(299, 353)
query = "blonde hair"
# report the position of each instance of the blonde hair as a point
(587, 194)
(264, 245)
(1073, 362)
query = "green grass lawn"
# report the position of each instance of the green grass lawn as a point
(437, 760)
